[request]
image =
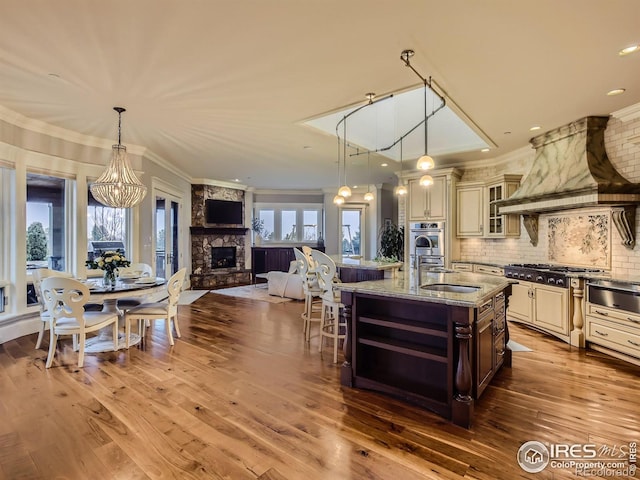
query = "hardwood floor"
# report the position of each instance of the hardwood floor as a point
(241, 396)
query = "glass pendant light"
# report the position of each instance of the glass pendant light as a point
(425, 162)
(338, 199)
(118, 186)
(344, 190)
(426, 180)
(368, 197)
(401, 190)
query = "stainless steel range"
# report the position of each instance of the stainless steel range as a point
(555, 275)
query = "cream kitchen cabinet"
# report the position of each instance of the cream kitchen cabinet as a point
(500, 188)
(470, 209)
(428, 203)
(544, 307)
(477, 209)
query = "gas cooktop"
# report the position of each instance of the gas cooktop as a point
(552, 268)
(544, 273)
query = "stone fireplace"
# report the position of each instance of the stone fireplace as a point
(217, 252)
(223, 257)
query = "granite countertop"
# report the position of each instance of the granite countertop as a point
(488, 264)
(351, 262)
(406, 287)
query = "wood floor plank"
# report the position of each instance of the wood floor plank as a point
(242, 396)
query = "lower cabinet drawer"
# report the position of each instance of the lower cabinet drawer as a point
(611, 335)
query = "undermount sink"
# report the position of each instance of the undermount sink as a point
(450, 288)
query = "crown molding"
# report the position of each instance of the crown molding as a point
(626, 114)
(218, 183)
(38, 126)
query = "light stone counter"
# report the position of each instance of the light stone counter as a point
(360, 263)
(406, 287)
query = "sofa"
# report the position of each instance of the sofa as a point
(286, 284)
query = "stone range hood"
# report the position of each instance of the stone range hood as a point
(571, 170)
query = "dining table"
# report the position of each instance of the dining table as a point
(150, 288)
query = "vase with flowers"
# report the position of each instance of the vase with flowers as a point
(257, 225)
(109, 261)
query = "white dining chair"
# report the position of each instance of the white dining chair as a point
(135, 270)
(39, 274)
(312, 293)
(167, 310)
(331, 325)
(65, 299)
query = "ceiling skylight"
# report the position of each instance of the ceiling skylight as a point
(379, 125)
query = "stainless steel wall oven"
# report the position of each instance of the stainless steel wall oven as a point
(426, 244)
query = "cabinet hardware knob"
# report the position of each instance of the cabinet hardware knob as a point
(603, 334)
(634, 320)
(602, 313)
(635, 344)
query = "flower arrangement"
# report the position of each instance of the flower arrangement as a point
(109, 261)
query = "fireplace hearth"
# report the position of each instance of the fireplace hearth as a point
(223, 257)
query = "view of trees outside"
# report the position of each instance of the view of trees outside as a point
(310, 220)
(38, 249)
(268, 217)
(106, 223)
(36, 242)
(351, 232)
(288, 231)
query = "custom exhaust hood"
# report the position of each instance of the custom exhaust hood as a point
(571, 170)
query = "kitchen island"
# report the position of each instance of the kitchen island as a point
(357, 269)
(437, 344)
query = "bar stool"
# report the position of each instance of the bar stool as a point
(312, 293)
(331, 325)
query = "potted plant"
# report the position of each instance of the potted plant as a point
(391, 242)
(257, 225)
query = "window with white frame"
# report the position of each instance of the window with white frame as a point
(290, 223)
(106, 226)
(47, 236)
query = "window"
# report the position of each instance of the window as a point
(106, 225)
(285, 223)
(46, 234)
(351, 227)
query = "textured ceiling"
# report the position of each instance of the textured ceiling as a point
(222, 88)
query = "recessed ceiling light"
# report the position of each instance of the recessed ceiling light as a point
(236, 179)
(628, 50)
(484, 150)
(384, 164)
(355, 186)
(534, 128)
(616, 91)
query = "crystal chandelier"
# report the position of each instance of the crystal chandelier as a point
(118, 186)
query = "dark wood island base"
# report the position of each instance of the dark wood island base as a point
(435, 355)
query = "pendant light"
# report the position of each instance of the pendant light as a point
(118, 186)
(338, 199)
(425, 162)
(368, 197)
(401, 190)
(344, 191)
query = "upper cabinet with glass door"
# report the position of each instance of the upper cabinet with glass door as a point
(500, 188)
(477, 209)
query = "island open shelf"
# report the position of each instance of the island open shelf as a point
(437, 352)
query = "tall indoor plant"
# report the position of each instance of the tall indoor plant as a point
(391, 243)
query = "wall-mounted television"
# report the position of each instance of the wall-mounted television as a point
(219, 212)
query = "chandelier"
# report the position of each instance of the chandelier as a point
(118, 186)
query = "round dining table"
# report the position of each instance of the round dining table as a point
(125, 287)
